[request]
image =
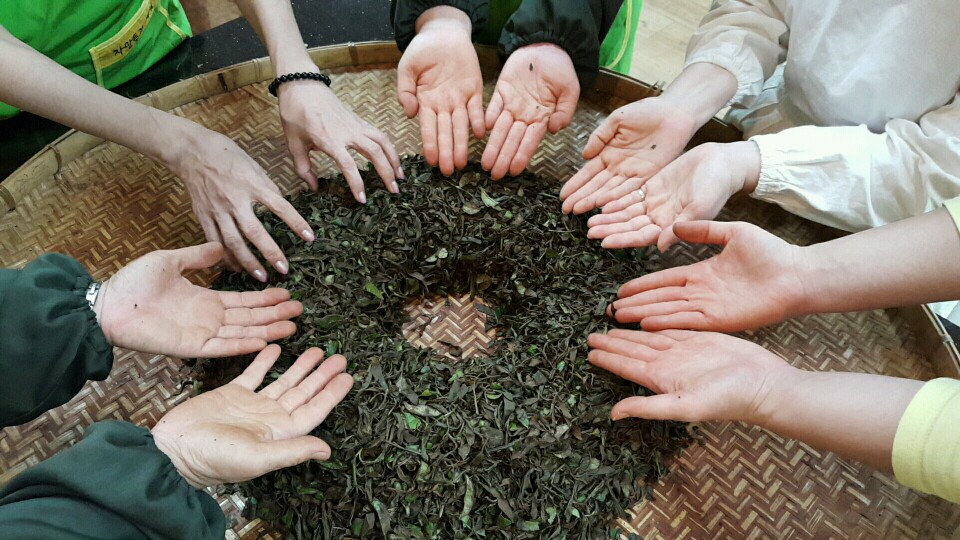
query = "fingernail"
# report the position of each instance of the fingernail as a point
(617, 416)
(260, 275)
(400, 174)
(396, 188)
(363, 198)
(307, 234)
(281, 267)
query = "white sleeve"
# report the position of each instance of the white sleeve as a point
(747, 38)
(853, 179)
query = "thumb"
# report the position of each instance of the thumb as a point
(301, 163)
(563, 115)
(659, 407)
(602, 136)
(407, 91)
(290, 452)
(198, 257)
(705, 232)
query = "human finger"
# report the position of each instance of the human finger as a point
(369, 149)
(301, 162)
(578, 180)
(528, 146)
(602, 136)
(389, 150)
(221, 347)
(634, 224)
(671, 277)
(622, 347)
(575, 201)
(297, 372)
(445, 142)
(498, 135)
(263, 315)
(267, 332)
(309, 415)
(563, 114)
(279, 454)
(508, 150)
(628, 213)
(658, 407)
(234, 243)
(494, 111)
(253, 375)
(428, 136)
(644, 237)
(314, 383)
(198, 257)
(407, 89)
(653, 340)
(348, 167)
(686, 320)
(653, 296)
(475, 112)
(254, 232)
(253, 299)
(632, 369)
(283, 209)
(461, 138)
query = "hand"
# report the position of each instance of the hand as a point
(694, 186)
(630, 146)
(439, 79)
(149, 306)
(537, 91)
(756, 281)
(314, 119)
(699, 376)
(235, 433)
(224, 183)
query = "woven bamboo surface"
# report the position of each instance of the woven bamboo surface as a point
(110, 205)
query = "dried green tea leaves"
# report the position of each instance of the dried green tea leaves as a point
(517, 444)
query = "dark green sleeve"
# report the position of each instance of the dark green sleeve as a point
(577, 26)
(114, 484)
(404, 14)
(50, 342)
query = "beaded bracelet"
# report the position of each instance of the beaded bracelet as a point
(301, 76)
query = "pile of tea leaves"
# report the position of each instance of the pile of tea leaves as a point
(517, 444)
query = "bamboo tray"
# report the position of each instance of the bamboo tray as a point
(106, 205)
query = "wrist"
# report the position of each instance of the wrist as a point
(99, 310)
(775, 397)
(745, 162)
(444, 18)
(165, 440)
(701, 90)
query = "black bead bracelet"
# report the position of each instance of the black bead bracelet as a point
(301, 76)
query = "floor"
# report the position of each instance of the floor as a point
(665, 28)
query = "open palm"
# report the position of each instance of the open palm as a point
(235, 433)
(698, 376)
(149, 306)
(694, 186)
(752, 283)
(630, 146)
(537, 92)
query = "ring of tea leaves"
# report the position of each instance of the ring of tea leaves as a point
(517, 444)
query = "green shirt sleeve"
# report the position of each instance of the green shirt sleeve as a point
(114, 484)
(404, 14)
(576, 26)
(50, 342)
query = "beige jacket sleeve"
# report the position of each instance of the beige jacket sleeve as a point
(747, 38)
(852, 179)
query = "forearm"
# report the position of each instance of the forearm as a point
(35, 83)
(274, 22)
(852, 414)
(701, 90)
(908, 262)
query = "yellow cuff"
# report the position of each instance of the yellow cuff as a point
(953, 206)
(926, 448)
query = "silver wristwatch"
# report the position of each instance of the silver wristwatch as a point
(93, 291)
